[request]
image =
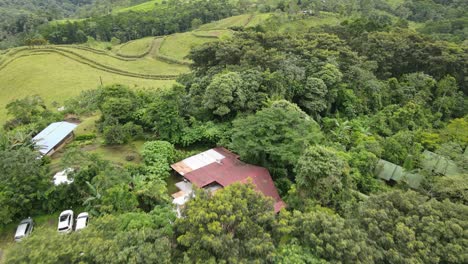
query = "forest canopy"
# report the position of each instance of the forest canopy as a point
(362, 124)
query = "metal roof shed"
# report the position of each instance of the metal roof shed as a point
(52, 136)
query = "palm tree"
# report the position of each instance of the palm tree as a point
(93, 201)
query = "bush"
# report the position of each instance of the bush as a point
(85, 137)
(130, 157)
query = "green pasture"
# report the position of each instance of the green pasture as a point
(56, 78)
(135, 48)
(258, 19)
(140, 66)
(143, 7)
(178, 45)
(235, 21)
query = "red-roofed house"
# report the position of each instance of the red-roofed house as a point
(217, 168)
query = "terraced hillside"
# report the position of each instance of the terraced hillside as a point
(60, 72)
(246, 20)
(143, 7)
(174, 48)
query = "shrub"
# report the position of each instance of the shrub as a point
(85, 137)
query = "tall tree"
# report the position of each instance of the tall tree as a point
(224, 94)
(230, 226)
(408, 227)
(274, 136)
(23, 183)
(323, 175)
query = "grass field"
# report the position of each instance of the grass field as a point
(143, 7)
(178, 46)
(135, 47)
(141, 66)
(258, 19)
(57, 78)
(235, 21)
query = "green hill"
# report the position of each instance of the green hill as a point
(59, 72)
(143, 7)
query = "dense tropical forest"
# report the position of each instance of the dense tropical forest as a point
(357, 108)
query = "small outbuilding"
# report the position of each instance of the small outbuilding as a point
(54, 137)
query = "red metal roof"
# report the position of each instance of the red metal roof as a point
(230, 170)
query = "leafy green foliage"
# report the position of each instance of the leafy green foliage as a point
(125, 238)
(30, 110)
(230, 226)
(23, 183)
(329, 237)
(155, 151)
(453, 188)
(275, 136)
(405, 229)
(163, 114)
(323, 175)
(224, 94)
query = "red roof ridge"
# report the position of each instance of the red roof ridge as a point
(230, 170)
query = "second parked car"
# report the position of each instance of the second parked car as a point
(65, 223)
(81, 221)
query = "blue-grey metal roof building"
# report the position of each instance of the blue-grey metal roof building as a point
(52, 135)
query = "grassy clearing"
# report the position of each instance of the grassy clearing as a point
(258, 19)
(178, 46)
(118, 154)
(135, 47)
(235, 21)
(220, 33)
(64, 21)
(57, 78)
(115, 154)
(140, 66)
(143, 7)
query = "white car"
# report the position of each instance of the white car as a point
(81, 221)
(65, 223)
(25, 228)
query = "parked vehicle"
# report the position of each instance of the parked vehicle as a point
(82, 221)
(65, 223)
(25, 228)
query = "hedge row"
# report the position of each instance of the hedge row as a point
(96, 51)
(203, 36)
(84, 60)
(109, 69)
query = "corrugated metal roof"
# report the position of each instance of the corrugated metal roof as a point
(389, 171)
(229, 170)
(438, 164)
(48, 138)
(197, 161)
